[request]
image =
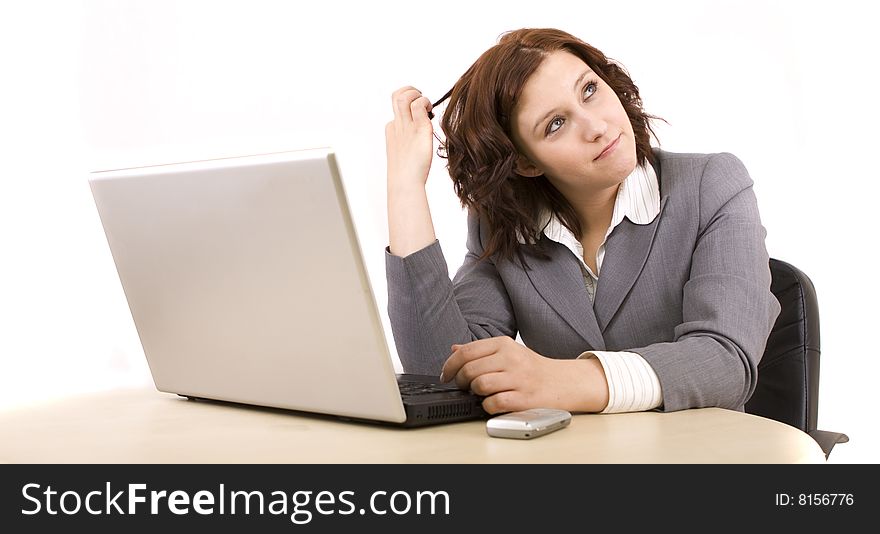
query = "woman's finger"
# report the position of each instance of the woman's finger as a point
(402, 101)
(505, 401)
(420, 108)
(476, 368)
(492, 383)
(462, 354)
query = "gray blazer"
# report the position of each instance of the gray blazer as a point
(689, 292)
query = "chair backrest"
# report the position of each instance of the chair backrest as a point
(788, 375)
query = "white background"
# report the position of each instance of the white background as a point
(789, 87)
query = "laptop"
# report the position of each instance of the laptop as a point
(246, 284)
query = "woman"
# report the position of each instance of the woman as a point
(637, 278)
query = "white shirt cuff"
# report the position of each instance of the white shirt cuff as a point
(633, 385)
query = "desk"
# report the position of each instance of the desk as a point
(146, 426)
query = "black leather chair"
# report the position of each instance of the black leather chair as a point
(788, 375)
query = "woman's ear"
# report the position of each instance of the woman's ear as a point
(525, 167)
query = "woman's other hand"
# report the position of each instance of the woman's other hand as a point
(513, 377)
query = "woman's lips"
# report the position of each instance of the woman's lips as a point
(608, 149)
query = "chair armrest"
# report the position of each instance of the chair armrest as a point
(827, 440)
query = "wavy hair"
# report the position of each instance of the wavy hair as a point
(481, 156)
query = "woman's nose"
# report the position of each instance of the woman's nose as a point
(591, 127)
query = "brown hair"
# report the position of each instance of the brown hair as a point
(481, 155)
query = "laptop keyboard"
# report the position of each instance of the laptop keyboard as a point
(419, 388)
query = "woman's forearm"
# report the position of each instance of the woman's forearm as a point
(410, 227)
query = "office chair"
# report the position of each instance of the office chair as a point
(788, 375)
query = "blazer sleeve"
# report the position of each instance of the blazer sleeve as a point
(429, 312)
(728, 309)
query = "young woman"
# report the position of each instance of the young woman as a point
(637, 278)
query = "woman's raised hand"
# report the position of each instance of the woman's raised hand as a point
(409, 146)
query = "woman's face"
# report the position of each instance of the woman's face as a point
(565, 117)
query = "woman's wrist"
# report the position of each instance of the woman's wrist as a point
(589, 387)
(399, 187)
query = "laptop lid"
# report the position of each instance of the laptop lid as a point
(246, 283)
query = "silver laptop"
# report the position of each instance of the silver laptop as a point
(246, 284)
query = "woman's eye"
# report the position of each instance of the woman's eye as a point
(587, 92)
(555, 124)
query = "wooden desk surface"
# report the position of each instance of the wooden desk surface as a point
(146, 426)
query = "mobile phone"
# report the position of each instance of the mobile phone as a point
(527, 424)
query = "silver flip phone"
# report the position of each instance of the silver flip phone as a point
(528, 424)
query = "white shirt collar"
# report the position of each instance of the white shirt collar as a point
(638, 199)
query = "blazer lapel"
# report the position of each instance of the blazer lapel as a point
(626, 252)
(561, 283)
